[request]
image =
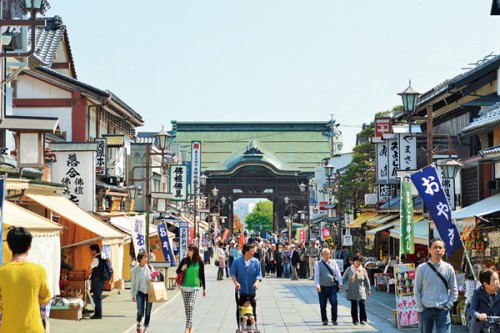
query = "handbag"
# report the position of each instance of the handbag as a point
(179, 280)
(216, 262)
(335, 282)
(157, 293)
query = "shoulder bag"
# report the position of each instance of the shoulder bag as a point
(439, 275)
(335, 282)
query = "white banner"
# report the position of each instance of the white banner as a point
(178, 182)
(76, 170)
(138, 224)
(382, 163)
(393, 147)
(407, 152)
(195, 164)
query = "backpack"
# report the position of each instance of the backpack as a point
(106, 269)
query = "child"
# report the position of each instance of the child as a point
(246, 313)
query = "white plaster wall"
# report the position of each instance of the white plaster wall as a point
(64, 115)
(28, 87)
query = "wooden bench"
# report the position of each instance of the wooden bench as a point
(171, 282)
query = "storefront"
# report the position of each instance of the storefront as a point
(81, 229)
(420, 240)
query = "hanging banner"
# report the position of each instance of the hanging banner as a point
(429, 187)
(183, 239)
(165, 244)
(407, 152)
(302, 235)
(225, 234)
(325, 234)
(195, 164)
(178, 182)
(138, 231)
(407, 231)
(100, 162)
(2, 198)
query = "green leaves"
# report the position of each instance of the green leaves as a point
(261, 218)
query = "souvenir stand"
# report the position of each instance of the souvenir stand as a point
(407, 313)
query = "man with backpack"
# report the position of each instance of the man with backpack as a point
(101, 272)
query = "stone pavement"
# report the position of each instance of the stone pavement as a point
(283, 306)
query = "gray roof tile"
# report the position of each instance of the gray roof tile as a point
(488, 117)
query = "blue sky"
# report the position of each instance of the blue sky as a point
(273, 60)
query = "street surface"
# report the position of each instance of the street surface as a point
(283, 306)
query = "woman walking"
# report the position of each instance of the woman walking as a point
(286, 256)
(221, 257)
(194, 278)
(357, 287)
(278, 260)
(141, 275)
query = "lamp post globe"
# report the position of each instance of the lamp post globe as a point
(450, 168)
(302, 187)
(203, 180)
(287, 200)
(215, 191)
(329, 170)
(409, 98)
(163, 139)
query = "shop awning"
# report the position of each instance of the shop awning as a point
(70, 211)
(420, 232)
(358, 222)
(480, 208)
(372, 232)
(381, 219)
(36, 224)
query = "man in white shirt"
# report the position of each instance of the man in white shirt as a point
(328, 282)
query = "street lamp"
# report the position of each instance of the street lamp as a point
(329, 171)
(409, 98)
(215, 192)
(163, 139)
(450, 168)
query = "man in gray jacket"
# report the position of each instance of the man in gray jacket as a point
(435, 290)
(313, 257)
(328, 282)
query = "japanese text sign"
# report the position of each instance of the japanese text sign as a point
(178, 182)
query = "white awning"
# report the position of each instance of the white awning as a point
(480, 208)
(420, 232)
(36, 224)
(70, 211)
(372, 232)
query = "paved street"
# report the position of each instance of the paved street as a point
(283, 306)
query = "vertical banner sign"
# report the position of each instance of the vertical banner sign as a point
(407, 231)
(100, 161)
(183, 239)
(393, 146)
(382, 163)
(165, 244)
(138, 234)
(225, 234)
(76, 171)
(302, 235)
(2, 198)
(178, 182)
(448, 188)
(382, 125)
(195, 164)
(429, 187)
(407, 152)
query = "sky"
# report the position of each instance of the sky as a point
(273, 60)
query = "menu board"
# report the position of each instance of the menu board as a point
(404, 276)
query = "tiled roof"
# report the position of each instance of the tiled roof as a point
(489, 151)
(489, 116)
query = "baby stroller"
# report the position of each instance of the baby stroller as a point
(240, 300)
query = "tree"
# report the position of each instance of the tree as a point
(237, 225)
(261, 217)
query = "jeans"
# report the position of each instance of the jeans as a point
(431, 316)
(287, 270)
(142, 301)
(230, 263)
(328, 294)
(362, 311)
(97, 286)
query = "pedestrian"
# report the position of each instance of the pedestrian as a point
(328, 283)
(357, 286)
(313, 257)
(24, 287)
(435, 290)
(141, 275)
(295, 261)
(96, 279)
(303, 261)
(232, 251)
(286, 255)
(485, 301)
(272, 259)
(246, 275)
(263, 258)
(279, 260)
(221, 257)
(194, 278)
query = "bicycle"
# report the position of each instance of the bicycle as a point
(493, 324)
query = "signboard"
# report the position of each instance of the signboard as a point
(325, 233)
(168, 254)
(407, 230)
(448, 188)
(178, 182)
(393, 146)
(382, 163)
(138, 224)
(183, 239)
(384, 193)
(322, 207)
(407, 152)
(100, 161)
(76, 171)
(382, 125)
(404, 276)
(347, 241)
(340, 264)
(195, 164)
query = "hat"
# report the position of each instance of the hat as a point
(232, 241)
(251, 240)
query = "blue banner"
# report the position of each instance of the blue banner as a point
(430, 189)
(165, 244)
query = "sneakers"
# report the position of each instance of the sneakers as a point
(334, 323)
(355, 323)
(325, 323)
(363, 322)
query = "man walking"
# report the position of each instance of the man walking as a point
(435, 290)
(96, 280)
(295, 261)
(328, 282)
(313, 257)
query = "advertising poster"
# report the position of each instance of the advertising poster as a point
(404, 276)
(165, 244)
